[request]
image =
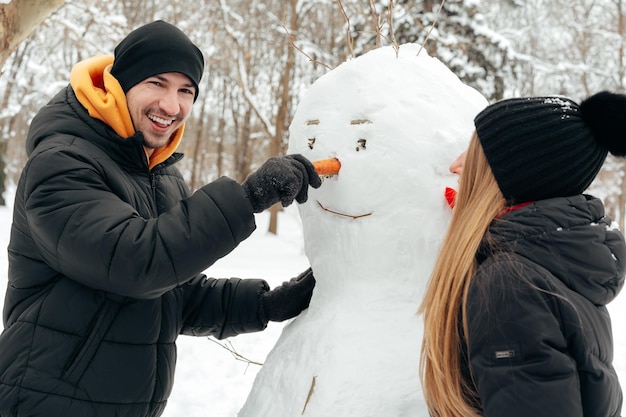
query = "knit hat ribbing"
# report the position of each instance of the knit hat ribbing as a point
(544, 147)
(156, 48)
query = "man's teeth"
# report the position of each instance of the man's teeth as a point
(159, 120)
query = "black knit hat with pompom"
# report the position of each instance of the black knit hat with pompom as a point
(544, 147)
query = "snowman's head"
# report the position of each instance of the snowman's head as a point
(395, 121)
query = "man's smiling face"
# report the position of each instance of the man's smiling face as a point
(159, 105)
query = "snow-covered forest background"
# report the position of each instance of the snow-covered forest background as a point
(262, 54)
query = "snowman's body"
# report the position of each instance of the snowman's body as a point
(372, 233)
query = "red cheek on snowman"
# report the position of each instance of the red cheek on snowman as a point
(450, 195)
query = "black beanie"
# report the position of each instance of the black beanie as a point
(156, 48)
(544, 147)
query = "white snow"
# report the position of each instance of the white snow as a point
(366, 271)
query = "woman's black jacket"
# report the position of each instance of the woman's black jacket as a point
(540, 339)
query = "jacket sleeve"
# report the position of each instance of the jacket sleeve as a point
(517, 351)
(86, 232)
(222, 307)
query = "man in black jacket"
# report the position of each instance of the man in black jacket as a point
(108, 244)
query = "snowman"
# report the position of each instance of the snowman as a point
(393, 119)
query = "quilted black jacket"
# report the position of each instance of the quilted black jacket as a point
(105, 263)
(540, 339)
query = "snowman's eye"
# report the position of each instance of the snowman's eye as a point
(311, 142)
(361, 144)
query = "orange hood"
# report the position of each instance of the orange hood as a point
(101, 94)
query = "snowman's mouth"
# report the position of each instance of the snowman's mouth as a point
(337, 213)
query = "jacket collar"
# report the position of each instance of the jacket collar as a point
(568, 236)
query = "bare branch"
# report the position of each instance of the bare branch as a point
(380, 23)
(379, 26)
(229, 347)
(432, 27)
(392, 35)
(349, 38)
(308, 397)
(292, 40)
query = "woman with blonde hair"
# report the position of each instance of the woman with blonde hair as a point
(515, 313)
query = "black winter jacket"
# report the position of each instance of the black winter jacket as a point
(540, 339)
(105, 259)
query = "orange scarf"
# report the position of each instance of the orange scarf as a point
(101, 94)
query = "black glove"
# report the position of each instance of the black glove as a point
(281, 179)
(287, 300)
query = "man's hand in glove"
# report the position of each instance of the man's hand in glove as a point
(283, 179)
(287, 300)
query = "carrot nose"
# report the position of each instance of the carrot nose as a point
(329, 166)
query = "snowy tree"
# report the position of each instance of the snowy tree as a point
(262, 55)
(40, 66)
(573, 49)
(455, 31)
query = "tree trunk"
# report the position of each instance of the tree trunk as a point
(429, 5)
(18, 19)
(284, 99)
(221, 133)
(198, 154)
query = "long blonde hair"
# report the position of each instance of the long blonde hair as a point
(478, 202)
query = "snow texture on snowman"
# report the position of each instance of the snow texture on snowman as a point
(395, 120)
